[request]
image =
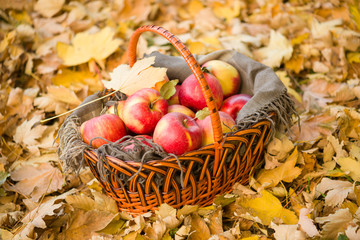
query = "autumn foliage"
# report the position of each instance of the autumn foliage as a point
(54, 53)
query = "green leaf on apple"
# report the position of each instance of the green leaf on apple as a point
(203, 113)
(168, 89)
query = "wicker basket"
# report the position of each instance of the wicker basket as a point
(207, 172)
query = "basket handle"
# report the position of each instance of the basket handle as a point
(194, 66)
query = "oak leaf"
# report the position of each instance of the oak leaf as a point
(29, 132)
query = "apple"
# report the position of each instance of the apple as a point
(177, 133)
(232, 105)
(182, 109)
(108, 126)
(191, 96)
(227, 75)
(206, 127)
(118, 110)
(143, 109)
(141, 138)
(174, 99)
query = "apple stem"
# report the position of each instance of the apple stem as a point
(153, 103)
(205, 70)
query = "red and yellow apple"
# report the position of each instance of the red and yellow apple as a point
(177, 133)
(232, 105)
(174, 99)
(182, 109)
(141, 138)
(206, 128)
(143, 110)
(227, 75)
(107, 126)
(117, 108)
(191, 96)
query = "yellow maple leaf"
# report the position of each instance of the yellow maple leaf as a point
(228, 10)
(286, 172)
(350, 166)
(86, 46)
(141, 75)
(267, 207)
(279, 49)
(77, 79)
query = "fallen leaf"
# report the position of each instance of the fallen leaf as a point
(228, 10)
(84, 223)
(141, 75)
(337, 191)
(278, 50)
(286, 172)
(353, 232)
(29, 132)
(199, 229)
(267, 207)
(334, 223)
(287, 232)
(86, 46)
(48, 8)
(36, 181)
(307, 224)
(36, 217)
(350, 166)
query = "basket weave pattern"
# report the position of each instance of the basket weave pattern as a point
(193, 178)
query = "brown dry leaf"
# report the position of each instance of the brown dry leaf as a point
(167, 214)
(199, 229)
(34, 181)
(30, 131)
(286, 172)
(337, 191)
(63, 94)
(83, 224)
(48, 8)
(51, 208)
(335, 223)
(314, 127)
(216, 222)
(287, 232)
(307, 224)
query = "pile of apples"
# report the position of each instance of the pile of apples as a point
(174, 123)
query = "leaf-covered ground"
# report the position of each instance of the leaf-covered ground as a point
(54, 53)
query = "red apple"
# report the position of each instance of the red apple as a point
(206, 127)
(143, 109)
(174, 99)
(182, 109)
(191, 96)
(227, 75)
(108, 126)
(232, 105)
(177, 133)
(141, 138)
(118, 110)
